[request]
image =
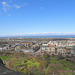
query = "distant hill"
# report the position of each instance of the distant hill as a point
(41, 36)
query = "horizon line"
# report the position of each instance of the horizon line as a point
(37, 34)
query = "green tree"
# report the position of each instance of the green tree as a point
(42, 65)
(53, 69)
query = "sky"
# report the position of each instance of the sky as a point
(23, 17)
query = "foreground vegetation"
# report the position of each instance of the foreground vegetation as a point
(40, 64)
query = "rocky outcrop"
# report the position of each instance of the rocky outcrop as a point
(1, 62)
(6, 71)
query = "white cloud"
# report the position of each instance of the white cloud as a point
(4, 3)
(70, 33)
(7, 5)
(39, 33)
(17, 6)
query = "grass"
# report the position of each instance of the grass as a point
(5, 58)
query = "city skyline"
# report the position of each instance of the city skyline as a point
(34, 17)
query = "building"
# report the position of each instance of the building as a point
(45, 47)
(52, 49)
(49, 48)
(73, 50)
(61, 50)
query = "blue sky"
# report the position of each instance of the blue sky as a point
(20, 17)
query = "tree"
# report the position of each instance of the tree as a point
(12, 62)
(42, 65)
(53, 69)
(20, 60)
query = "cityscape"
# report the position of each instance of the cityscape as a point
(32, 55)
(37, 37)
(54, 46)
